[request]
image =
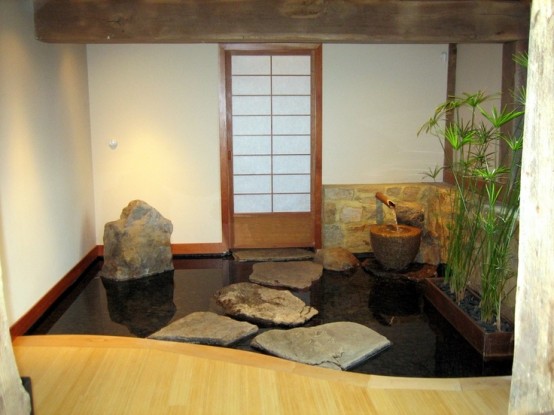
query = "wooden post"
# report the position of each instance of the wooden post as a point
(532, 390)
(14, 400)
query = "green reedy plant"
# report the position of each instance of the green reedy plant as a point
(485, 204)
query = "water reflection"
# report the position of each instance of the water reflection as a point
(392, 296)
(144, 305)
(423, 344)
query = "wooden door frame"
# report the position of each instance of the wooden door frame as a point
(225, 122)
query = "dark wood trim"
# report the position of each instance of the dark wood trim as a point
(189, 249)
(318, 144)
(24, 323)
(224, 150)
(447, 176)
(247, 21)
(493, 345)
(254, 48)
(199, 248)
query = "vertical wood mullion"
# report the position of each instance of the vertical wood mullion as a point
(271, 118)
(226, 146)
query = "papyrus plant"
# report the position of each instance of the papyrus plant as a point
(485, 202)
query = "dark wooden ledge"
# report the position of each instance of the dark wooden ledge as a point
(329, 21)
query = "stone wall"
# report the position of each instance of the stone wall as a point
(349, 210)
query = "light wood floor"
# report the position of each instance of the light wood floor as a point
(76, 374)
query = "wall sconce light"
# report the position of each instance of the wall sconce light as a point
(113, 144)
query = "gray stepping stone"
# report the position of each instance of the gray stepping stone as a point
(339, 345)
(275, 254)
(297, 275)
(336, 259)
(263, 305)
(206, 328)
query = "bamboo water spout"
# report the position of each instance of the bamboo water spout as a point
(385, 200)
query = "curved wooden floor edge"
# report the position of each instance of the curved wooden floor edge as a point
(83, 374)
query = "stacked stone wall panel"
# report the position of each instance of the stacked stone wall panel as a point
(348, 211)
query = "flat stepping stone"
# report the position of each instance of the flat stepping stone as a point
(204, 327)
(297, 275)
(336, 259)
(339, 345)
(263, 305)
(273, 254)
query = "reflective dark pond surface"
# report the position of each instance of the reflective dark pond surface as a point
(423, 343)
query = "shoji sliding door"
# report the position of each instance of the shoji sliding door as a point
(271, 145)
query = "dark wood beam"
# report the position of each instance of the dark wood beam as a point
(329, 21)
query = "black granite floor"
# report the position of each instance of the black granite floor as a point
(423, 343)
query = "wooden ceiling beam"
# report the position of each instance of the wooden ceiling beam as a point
(268, 21)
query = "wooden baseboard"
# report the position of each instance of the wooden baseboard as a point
(21, 326)
(202, 249)
(189, 249)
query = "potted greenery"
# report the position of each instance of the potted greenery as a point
(485, 200)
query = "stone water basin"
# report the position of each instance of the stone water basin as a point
(395, 246)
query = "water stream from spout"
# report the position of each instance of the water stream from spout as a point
(393, 208)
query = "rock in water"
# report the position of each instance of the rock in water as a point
(138, 244)
(336, 259)
(296, 275)
(143, 305)
(205, 327)
(267, 306)
(339, 345)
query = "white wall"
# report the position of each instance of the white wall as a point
(161, 103)
(46, 199)
(375, 99)
(479, 68)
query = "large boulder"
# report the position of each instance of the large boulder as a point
(138, 244)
